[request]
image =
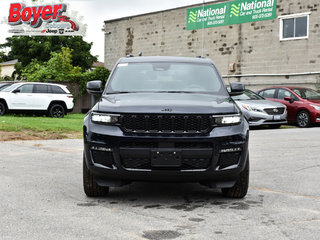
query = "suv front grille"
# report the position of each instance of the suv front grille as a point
(274, 111)
(166, 123)
(138, 155)
(186, 163)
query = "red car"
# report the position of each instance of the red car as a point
(303, 104)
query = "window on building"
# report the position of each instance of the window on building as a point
(294, 26)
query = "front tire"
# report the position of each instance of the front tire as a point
(90, 186)
(2, 109)
(240, 189)
(57, 111)
(303, 119)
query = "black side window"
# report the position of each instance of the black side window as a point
(285, 93)
(40, 88)
(27, 88)
(56, 90)
(269, 93)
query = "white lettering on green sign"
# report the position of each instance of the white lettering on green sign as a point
(233, 12)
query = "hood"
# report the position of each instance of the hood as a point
(165, 103)
(261, 104)
(317, 101)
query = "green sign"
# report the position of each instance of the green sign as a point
(235, 12)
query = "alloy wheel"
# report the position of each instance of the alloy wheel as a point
(57, 112)
(303, 119)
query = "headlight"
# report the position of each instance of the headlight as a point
(227, 119)
(315, 107)
(250, 108)
(104, 118)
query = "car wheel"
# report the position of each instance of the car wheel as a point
(2, 109)
(90, 186)
(303, 119)
(57, 111)
(240, 189)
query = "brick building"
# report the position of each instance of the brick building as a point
(284, 49)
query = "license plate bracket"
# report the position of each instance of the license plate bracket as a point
(165, 158)
(277, 118)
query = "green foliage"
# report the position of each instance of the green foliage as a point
(57, 69)
(26, 49)
(100, 73)
(2, 57)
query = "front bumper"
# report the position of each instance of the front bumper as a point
(315, 116)
(260, 119)
(115, 158)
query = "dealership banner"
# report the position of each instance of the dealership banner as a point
(44, 20)
(234, 12)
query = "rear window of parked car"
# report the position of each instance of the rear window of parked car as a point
(42, 88)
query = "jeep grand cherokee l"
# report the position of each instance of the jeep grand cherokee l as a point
(165, 119)
(52, 99)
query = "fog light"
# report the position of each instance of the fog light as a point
(229, 150)
(102, 149)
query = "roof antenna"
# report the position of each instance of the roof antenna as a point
(140, 54)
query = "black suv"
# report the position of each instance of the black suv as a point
(165, 119)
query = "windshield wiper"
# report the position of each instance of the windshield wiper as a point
(180, 92)
(119, 92)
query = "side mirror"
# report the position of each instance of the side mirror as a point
(289, 99)
(16, 91)
(236, 88)
(94, 87)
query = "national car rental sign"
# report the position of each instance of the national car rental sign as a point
(233, 12)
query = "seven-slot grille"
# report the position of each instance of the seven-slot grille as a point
(165, 123)
(274, 111)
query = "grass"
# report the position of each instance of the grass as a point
(17, 123)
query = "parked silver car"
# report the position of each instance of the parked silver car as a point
(259, 111)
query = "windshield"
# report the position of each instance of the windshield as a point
(3, 86)
(306, 93)
(166, 77)
(248, 95)
(10, 88)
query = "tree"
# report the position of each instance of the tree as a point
(58, 68)
(26, 49)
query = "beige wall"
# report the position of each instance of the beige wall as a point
(254, 47)
(7, 70)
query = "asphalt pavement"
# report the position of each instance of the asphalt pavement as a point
(41, 196)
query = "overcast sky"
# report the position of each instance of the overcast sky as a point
(95, 12)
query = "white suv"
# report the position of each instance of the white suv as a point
(53, 99)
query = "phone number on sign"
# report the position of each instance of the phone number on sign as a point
(215, 22)
(262, 15)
